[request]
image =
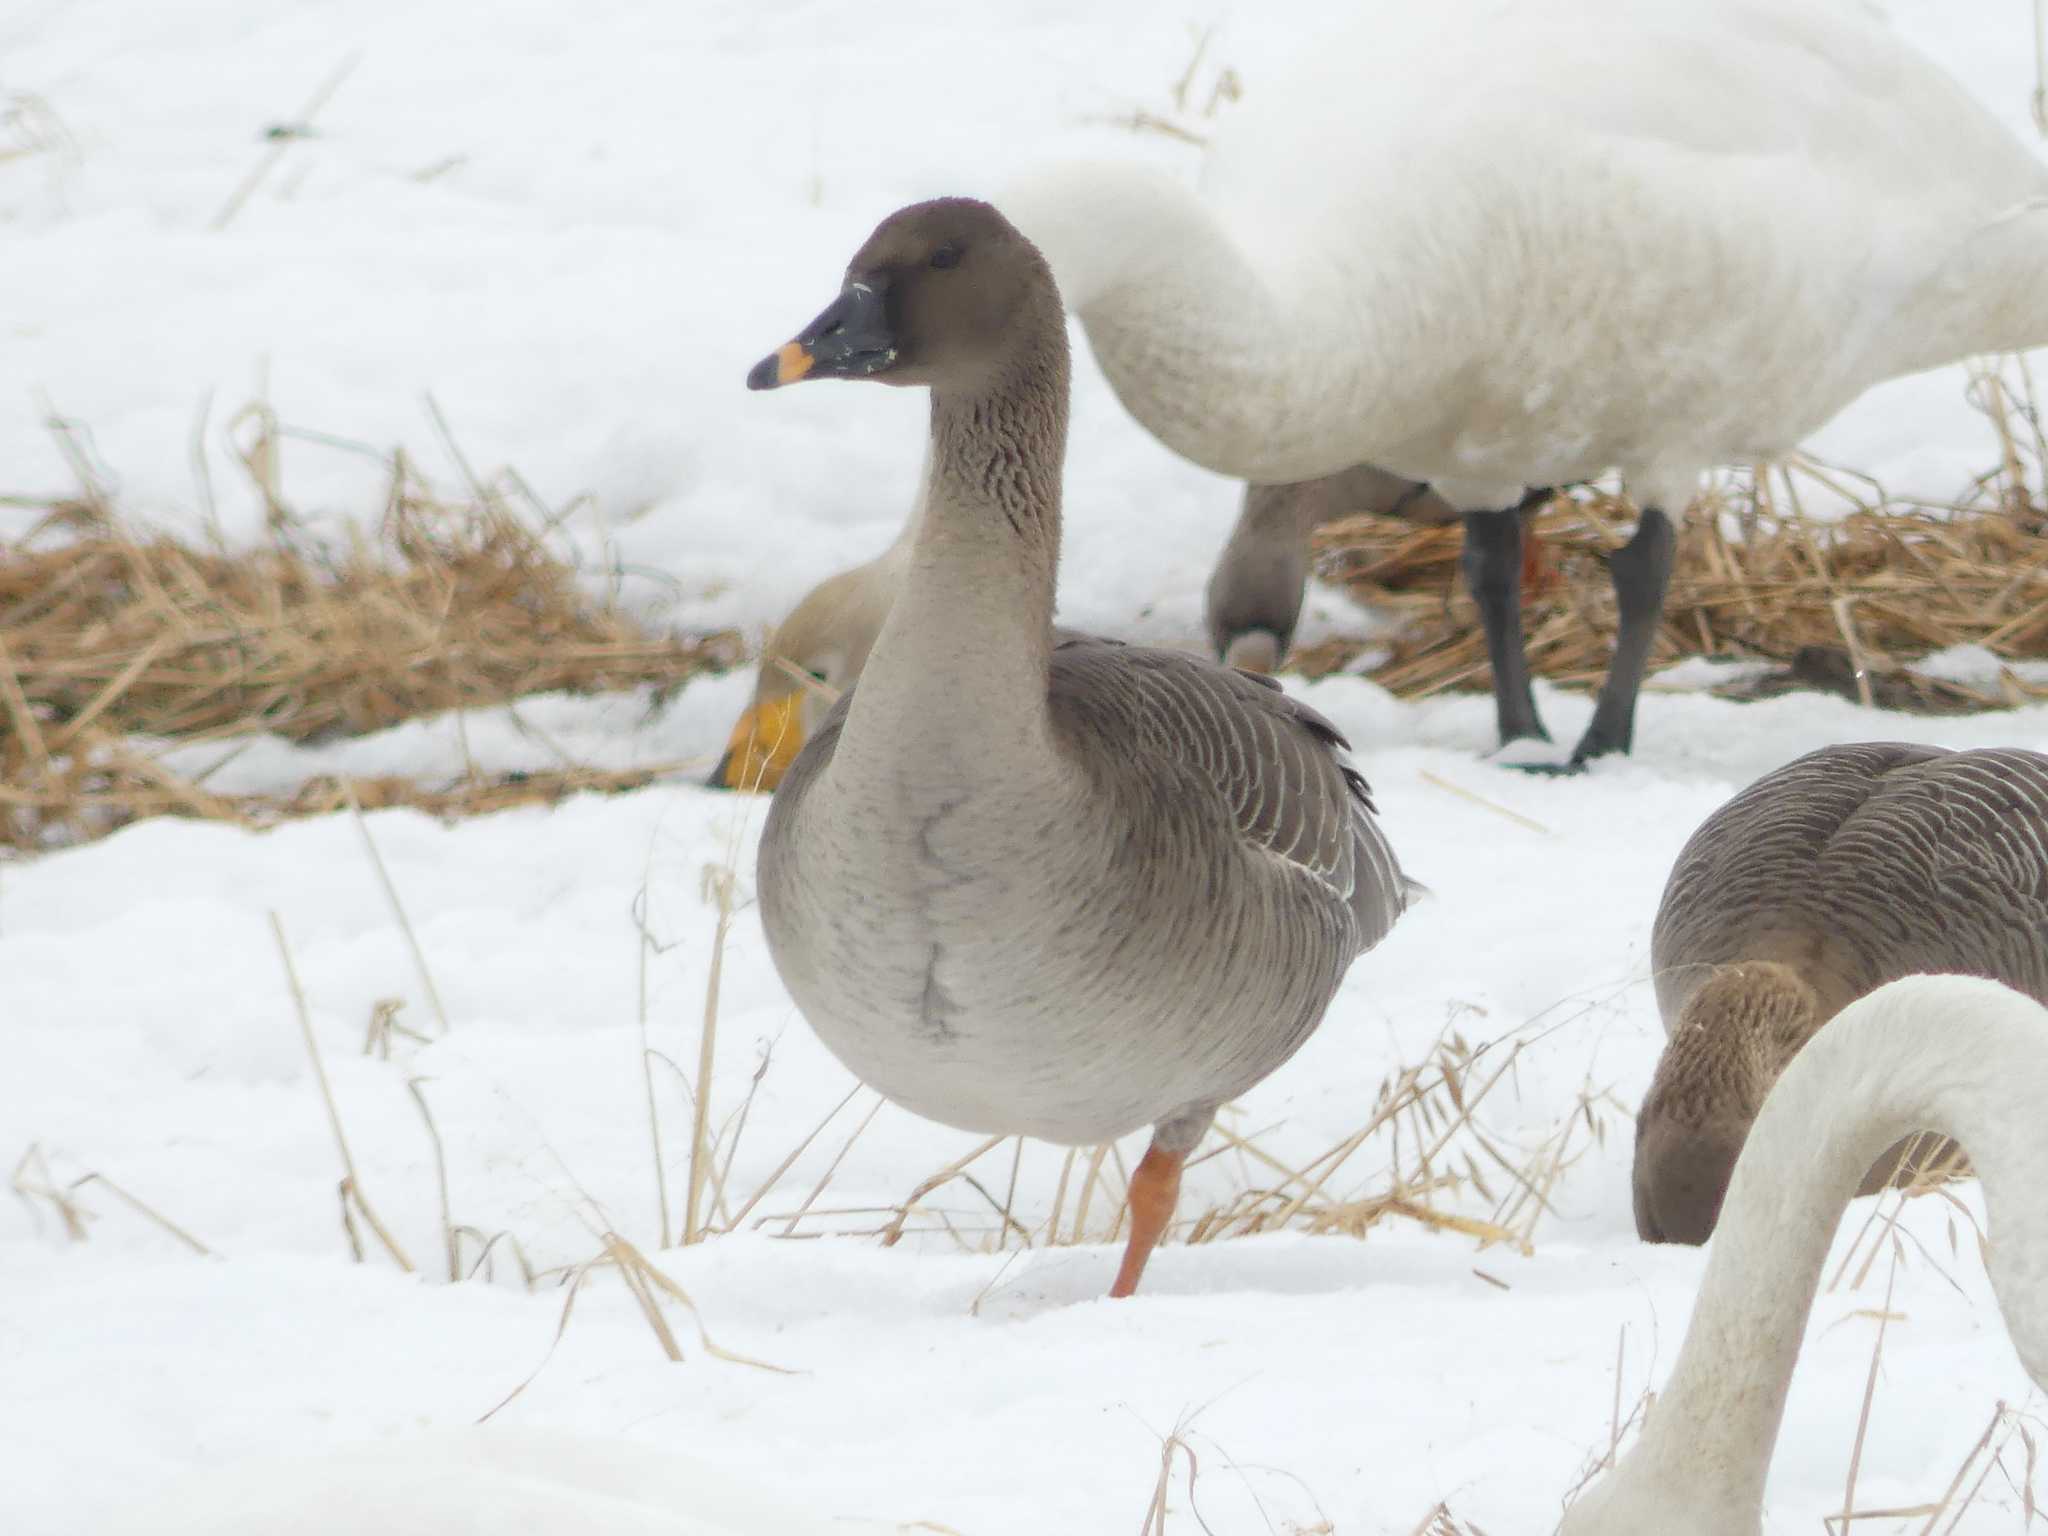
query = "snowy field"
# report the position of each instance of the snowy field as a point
(575, 227)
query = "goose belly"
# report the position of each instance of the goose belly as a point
(1022, 992)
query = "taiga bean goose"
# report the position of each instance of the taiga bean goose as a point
(1954, 1054)
(1830, 876)
(1767, 208)
(1254, 600)
(813, 656)
(1060, 890)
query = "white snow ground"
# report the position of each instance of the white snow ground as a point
(576, 227)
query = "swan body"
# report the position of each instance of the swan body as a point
(1827, 877)
(1959, 1055)
(1752, 211)
(1762, 208)
(1021, 884)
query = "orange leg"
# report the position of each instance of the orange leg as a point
(1155, 1191)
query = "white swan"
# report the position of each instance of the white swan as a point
(1409, 253)
(1954, 1054)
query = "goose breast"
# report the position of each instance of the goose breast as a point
(1199, 874)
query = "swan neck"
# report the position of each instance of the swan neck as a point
(1207, 356)
(1262, 364)
(1960, 1056)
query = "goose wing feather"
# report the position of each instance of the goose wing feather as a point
(1165, 723)
(1279, 767)
(1888, 857)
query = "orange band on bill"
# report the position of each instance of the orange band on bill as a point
(792, 362)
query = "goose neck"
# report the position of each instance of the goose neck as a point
(960, 666)
(1734, 1037)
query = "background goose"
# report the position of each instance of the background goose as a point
(1830, 876)
(1768, 207)
(1253, 603)
(813, 656)
(1065, 890)
(1956, 1054)
(1254, 596)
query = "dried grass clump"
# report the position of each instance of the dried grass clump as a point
(1421, 1151)
(1841, 605)
(451, 604)
(1844, 605)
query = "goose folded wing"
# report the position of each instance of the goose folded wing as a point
(1280, 768)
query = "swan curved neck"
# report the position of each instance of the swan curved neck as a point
(1247, 370)
(1954, 1054)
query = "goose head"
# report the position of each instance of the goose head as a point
(812, 657)
(1734, 1036)
(1254, 595)
(933, 298)
(936, 296)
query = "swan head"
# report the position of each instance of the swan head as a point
(813, 656)
(1734, 1035)
(942, 293)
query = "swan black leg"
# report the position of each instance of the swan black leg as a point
(1640, 570)
(1492, 562)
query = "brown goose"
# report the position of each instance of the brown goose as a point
(1823, 880)
(1066, 889)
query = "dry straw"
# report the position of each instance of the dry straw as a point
(1422, 1152)
(107, 635)
(1840, 604)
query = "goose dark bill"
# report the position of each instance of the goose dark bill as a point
(850, 340)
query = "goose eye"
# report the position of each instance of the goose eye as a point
(946, 257)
